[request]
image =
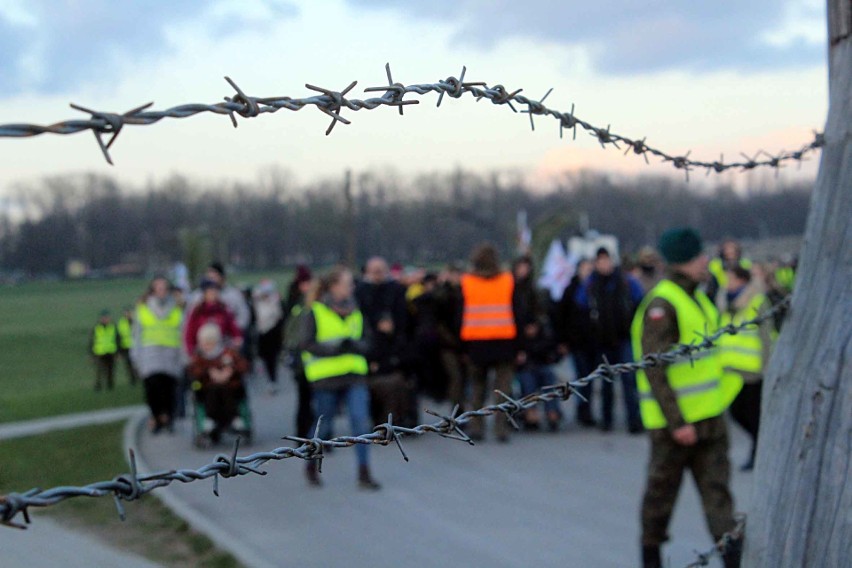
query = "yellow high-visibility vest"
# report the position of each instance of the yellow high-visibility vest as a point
(743, 351)
(701, 390)
(717, 269)
(105, 342)
(333, 328)
(162, 332)
(125, 334)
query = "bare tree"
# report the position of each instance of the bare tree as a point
(802, 506)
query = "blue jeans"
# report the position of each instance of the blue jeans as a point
(534, 378)
(357, 398)
(621, 354)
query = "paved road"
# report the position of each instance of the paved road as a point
(566, 499)
(46, 544)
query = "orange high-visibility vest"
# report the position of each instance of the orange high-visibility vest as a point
(488, 307)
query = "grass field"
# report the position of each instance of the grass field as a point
(44, 333)
(94, 453)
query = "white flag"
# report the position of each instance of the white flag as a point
(557, 271)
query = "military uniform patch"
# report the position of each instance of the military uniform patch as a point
(656, 314)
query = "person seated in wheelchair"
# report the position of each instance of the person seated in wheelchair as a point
(217, 373)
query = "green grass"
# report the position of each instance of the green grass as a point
(44, 334)
(94, 453)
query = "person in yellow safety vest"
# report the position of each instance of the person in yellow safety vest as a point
(682, 404)
(125, 342)
(157, 351)
(334, 349)
(730, 255)
(785, 277)
(746, 354)
(489, 332)
(103, 345)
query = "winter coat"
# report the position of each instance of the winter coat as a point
(610, 300)
(203, 313)
(149, 360)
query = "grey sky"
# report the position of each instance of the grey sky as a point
(631, 37)
(50, 46)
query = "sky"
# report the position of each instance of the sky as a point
(714, 77)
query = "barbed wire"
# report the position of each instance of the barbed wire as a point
(332, 103)
(730, 540)
(132, 486)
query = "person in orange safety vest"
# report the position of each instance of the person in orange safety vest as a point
(488, 331)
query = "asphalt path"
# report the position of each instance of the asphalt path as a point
(563, 499)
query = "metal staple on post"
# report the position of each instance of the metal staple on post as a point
(332, 102)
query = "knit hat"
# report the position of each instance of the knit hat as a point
(680, 245)
(217, 267)
(207, 283)
(303, 273)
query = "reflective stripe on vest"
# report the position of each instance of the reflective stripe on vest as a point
(162, 332)
(125, 334)
(488, 308)
(743, 351)
(331, 328)
(104, 341)
(701, 389)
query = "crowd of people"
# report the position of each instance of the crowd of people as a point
(376, 341)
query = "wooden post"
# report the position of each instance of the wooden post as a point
(801, 511)
(349, 223)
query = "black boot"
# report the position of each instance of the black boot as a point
(365, 480)
(734, 554)
(312, 473)
(651, 557)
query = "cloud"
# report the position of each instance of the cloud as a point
(625, 37)
(50, 46)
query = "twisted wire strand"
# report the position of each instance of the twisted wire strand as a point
(332, 103)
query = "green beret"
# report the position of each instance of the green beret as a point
(680, 245)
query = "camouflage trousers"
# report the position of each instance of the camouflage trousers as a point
(708, 462)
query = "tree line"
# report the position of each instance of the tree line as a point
(276, 222)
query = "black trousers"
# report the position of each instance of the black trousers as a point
(745, 410)
(160, 395)
(304, 410)
(104, 371)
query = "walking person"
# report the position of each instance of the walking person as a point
(682, 404)
(294, 309)
(125, 342)
(730, 255)
(489, 332)
(449, 301)
(536, 342)
(103, 346)
(610, 298)
(156, 351)
(572, 331)
(383, 306)
(334, 352)
(269, 320)
(747, 353)
(211, 308)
